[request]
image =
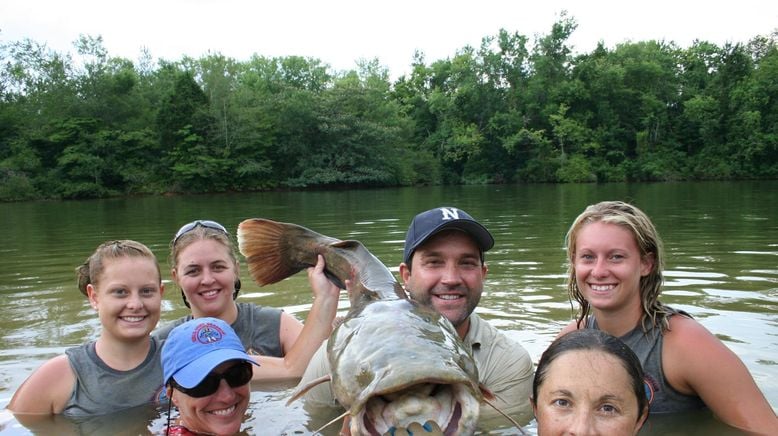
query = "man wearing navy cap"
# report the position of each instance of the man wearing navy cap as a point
(443, 267)
(443, 263)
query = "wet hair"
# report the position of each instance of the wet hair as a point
(647, 238)
(594, 340)
(201, 233)
(91, 270)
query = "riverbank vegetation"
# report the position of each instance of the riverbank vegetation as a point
(515, 109)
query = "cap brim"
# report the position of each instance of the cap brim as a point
(193, 373)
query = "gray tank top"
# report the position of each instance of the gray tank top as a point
(257, 327)
(100, 389)
(648, 347)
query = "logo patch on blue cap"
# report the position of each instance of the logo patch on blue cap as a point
(207, 334)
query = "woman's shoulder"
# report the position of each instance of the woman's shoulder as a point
(571, 326)
(47, 389)
(683, 325)
(686, 337)
(57, 366)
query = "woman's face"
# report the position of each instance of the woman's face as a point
(587, 393)
(608, 266)
(220, 413)
(206, 273)
(127, 297)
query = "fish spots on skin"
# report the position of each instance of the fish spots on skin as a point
(366, 377)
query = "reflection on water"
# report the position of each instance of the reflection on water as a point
(721, 240)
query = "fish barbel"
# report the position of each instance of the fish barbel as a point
(395, 364)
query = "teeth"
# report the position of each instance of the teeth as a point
(602, 287)
(449, 297)
(226, 411)
(133, 318)
(209, 293)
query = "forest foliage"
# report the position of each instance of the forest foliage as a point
(515, 109)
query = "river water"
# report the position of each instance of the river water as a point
(721, 240)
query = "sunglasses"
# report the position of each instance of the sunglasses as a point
(186, 228)
(237, 375)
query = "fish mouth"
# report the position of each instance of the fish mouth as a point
(436, 408)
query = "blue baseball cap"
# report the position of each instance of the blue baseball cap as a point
(430, 222)
(194, 348)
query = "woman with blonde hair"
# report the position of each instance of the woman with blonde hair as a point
(205, 267)
(615, 274)
(121, 369)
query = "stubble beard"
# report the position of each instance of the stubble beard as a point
(461, 316)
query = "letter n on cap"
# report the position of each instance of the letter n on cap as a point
(449, 213)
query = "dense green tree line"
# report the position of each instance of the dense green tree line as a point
(511, 110)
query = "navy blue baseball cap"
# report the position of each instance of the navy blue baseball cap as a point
(435, 220)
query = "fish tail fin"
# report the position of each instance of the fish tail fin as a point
(263, 244)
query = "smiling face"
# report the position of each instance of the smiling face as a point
(206, 273)
(127, 297)
(608, 267)
(448, 275)
(220, 413)
(587, 392)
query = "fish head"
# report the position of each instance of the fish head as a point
(395, 363)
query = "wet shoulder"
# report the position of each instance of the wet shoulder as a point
(684, 330)
(571, 326)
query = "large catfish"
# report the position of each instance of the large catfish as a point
(395, 364)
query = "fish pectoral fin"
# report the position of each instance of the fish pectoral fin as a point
(302, 390)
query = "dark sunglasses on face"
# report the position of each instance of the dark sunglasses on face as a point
(186, 228)
(235, 376)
